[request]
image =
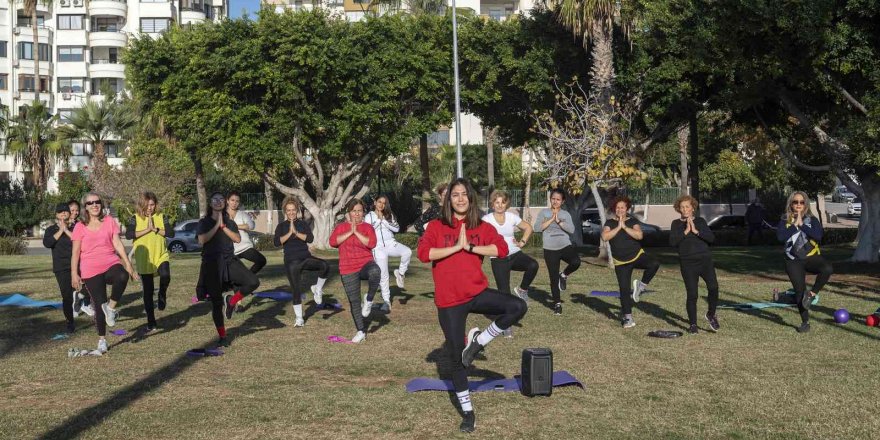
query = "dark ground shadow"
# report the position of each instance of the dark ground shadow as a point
(401, 297)
(597, 304)
(542, 297)
(441, 360)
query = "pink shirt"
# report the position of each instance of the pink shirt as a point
(96, 248)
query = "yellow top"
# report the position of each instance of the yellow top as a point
(149, 250)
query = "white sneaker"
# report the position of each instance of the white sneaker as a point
(358, 337)
(508, 333)
(76, 305)
(366, 307)
(399, 277)
(89, 310)
(110, 314)
(522, 293)
(638, 289)
(102, 346)
(299, 322)
(317, 295)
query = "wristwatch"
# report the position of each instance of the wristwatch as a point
(471, 248)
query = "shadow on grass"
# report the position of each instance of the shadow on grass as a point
(29, 328)
(598, 305)
(542, 297)
(443, 362)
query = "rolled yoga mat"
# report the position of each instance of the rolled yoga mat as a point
(19, 300)
(560, 379)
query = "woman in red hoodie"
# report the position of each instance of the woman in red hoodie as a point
(455, 244)
(356, 240)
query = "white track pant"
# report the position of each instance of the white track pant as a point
(381, 254)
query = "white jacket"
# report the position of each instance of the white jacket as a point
(384, 228)
(243, 218)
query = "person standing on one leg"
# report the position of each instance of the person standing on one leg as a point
(147, 232)
(294, 235)
(455, 245)
(220, 268)
(244, 249)
(801, 233)
(385, 226)
(355, 241)
(98, 259)
(623, 233)
(556, 227)
(691, 236)
(57, 238)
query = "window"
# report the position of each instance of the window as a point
(115, 85)
(71, 85)
(64, 114)
(71, 22)
(105, 55)
(81, 148)
(3, 53)
(26, 83)
(25, 20)
(4, 81)
(71, 53)
(113, 150)
(26, 51)
(4, 175)
(154, 25)
(106, 24)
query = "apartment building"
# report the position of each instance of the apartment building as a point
(79, 50)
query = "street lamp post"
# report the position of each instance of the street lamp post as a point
(459, 170)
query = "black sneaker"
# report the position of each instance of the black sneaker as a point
(472, 348)
(468, 422)
(693, 329)
(71, 327)
(228, 308)
(160, 304)
(713, 322)
(807, 300)
(223, 342)
(557, 309)
(804, 328)
(563, 282)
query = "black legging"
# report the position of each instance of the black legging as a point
(96, 286)
(624, 278)
(453, 320)
(691, 272)
(797, 272)
(254, 256)
(294, 273)
(147, 283)
(351, 282)
(520, 262)
(552, 258)
(64, 285)
(240, 280)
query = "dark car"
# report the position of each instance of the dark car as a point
(727, 221)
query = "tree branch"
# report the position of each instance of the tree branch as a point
(820, 134)
(850, 98)
(788, 155)
(300, 193)
(316, 183)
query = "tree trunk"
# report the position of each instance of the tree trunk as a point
(324, 220)
(604, 246)
(426, 172)
(99, 156)
(602, 69)
(270, 206)
(527, 212)
(683, 160)
(869, 223)
(574, 204)
(201, 192)
(489, 140)
(695, 166)
(36, 53)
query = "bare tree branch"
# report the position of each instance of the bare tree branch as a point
(846, 95)
(839, 148)
(789, 155)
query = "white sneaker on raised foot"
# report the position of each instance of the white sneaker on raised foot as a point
(299, 322)
(102, 346)
(88, 310)
(358, 337)
(522, 293)
(638, 288)
(366, 307)
(110, 314)
(317, 295)
(399, 277)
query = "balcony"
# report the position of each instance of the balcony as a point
(117, 8)
(191, 16)
(41, 7)
(473, 5)
(103, 68)
(107, 38)
(25, 32)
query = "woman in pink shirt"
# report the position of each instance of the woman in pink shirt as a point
(99, 255)
(356, 240)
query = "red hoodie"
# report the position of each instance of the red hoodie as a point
(353, 255)
(458, 277)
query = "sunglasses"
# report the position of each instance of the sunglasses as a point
(798, 202)
(93, 202)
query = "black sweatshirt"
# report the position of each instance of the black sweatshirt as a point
(294, 248)
(624, 247)
(62, 249)
(691, 246)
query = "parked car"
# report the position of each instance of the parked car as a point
(591, 226)
(185, 238)
(727, 221)
(854, 207)
(842, 195)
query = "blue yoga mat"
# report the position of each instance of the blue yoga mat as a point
(560, 379)
(603, 293)
(763, 305)
(19, 300)
(277, 295)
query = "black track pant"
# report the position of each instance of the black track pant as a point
(295, 269)
(691, 272)
(351, 282)
(240, 278)
(149, 286)
(624, 278)
(519, 262)
(552, 259)
(797, 271)
(64, 285)
(96, 286)
(453, 320)
(254, 256)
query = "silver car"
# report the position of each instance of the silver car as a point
(185, 238)
(854, 207)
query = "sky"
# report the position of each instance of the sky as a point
(236, 7)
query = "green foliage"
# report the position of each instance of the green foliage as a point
(730, 172)
(12, 245)
(72, 186)
(32, 140)
(20, 208)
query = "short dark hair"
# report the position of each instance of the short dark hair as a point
(354, 202)
(74, 202)
(559, 191)
(233, 193)
(617, 200)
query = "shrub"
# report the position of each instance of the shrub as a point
(12, 245)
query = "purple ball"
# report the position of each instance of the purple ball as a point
(841, 316)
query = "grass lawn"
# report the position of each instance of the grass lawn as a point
(756, 378)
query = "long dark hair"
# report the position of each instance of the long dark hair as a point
(210, 211)
(387, 211)
(472, 217)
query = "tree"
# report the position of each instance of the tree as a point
(33, 142)
(99, 122)
(728, 174)
(29, 7)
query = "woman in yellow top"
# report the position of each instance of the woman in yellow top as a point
(150, 254)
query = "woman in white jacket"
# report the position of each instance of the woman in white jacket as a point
(383, 221)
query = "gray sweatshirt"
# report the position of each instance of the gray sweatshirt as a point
(555, 237)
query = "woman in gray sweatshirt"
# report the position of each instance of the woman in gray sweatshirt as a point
(556, 225)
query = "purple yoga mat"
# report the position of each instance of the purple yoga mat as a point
(339, 339)
(560, 379)
(604, 293)
(119, 332)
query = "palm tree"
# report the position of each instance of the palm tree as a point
(99, 122)
(30, 8)
(32, 139)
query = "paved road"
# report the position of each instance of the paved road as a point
(35, 247)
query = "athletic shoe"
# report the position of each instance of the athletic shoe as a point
(317, 295)
(71, 327)
(386, 307)
(366, 307)
(468, 422)
(359, 337)
(472, 349)
(77, 305)
(628, 322)
(693, 329)
(399, 277)
(523, 294)
(150, 329)
(228, 308)
(88, 310)
(160, 304)
(713, 322)
(299, 322)
(102, 346)
(110, 314)
(638, 288)
(804, 328)
(807, 301)
(557, 309)
(223, 342)
(508, 333)
(563, 282)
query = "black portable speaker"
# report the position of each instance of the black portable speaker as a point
(537, 372)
